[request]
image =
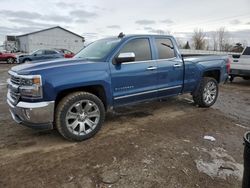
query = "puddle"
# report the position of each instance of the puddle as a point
(221, 165)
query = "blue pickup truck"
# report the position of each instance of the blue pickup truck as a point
(73, 95)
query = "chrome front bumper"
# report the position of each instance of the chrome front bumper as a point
(38, 115)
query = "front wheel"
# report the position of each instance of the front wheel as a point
(207, 92)
(79, 116)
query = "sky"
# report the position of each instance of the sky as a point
(96, 19)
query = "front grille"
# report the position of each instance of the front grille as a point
(15, 96)
(15, 80)
(14, 84)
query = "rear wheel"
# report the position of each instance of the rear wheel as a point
(10, 60)
(26, 60)
(231, 79)
(79, 116)
(207, 92)
(246, 78)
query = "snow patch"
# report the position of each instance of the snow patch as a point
(221, 165)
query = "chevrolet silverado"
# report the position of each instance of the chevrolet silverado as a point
(73, 95)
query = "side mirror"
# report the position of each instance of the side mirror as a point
(125, 57)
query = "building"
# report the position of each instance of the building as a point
(11, 44)
(55, 37)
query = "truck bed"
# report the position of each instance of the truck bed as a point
(198, 59)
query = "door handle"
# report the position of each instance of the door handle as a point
(177, 65)
(151, 68)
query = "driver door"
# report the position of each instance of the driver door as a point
(134, 81)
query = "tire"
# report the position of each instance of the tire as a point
(10, 60)
(26, 60)
(231, 79)
(203, 97)
(76, 112)
(246, 78)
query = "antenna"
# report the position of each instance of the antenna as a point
(121, 35)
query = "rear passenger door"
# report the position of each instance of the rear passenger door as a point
(170, 68)
(51, 54)
(134, 81)
(245, 58)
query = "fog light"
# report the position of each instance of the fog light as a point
(27, 114)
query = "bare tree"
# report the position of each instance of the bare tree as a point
(222, 38)
(199, 39)
(215, 40)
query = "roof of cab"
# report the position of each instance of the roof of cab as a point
(145, 35)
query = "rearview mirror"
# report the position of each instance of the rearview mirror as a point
(125, 57)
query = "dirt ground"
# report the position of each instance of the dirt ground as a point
(157, 144)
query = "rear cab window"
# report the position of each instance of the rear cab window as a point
(141, 48)
(165, 48)
(49, 52)
(246, 51)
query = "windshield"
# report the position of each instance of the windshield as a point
(36, 52)
(98, 49)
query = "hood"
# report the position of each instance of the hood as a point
(57, 65)
(23, 55)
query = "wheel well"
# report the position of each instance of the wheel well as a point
(26, 59)
(97, 90)
(213, 74)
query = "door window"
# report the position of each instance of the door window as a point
(140, 47)
(165, 48)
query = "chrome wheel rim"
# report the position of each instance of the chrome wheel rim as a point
(210, 92)
(82, 117)
(10, 60)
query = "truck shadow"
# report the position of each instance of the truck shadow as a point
(240, 82)
(147, 109)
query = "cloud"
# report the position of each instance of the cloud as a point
(90, 36)
(248, 23)
(82, 14)
(64, 5)
(167, 21)
(58, 18)
(145, 22)
(19, 30)
(27, 17)
(235, 22)
(155, 31)
(30, 23)
(20, 14)
(81, 20)
(113, 27)
(148, 28)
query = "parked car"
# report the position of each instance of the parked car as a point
(67, 53)
(40, 55)
(8, 57)
(74, 94)
(240, 66)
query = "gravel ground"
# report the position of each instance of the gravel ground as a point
(157, 144)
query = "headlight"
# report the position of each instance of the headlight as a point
(31, 87)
